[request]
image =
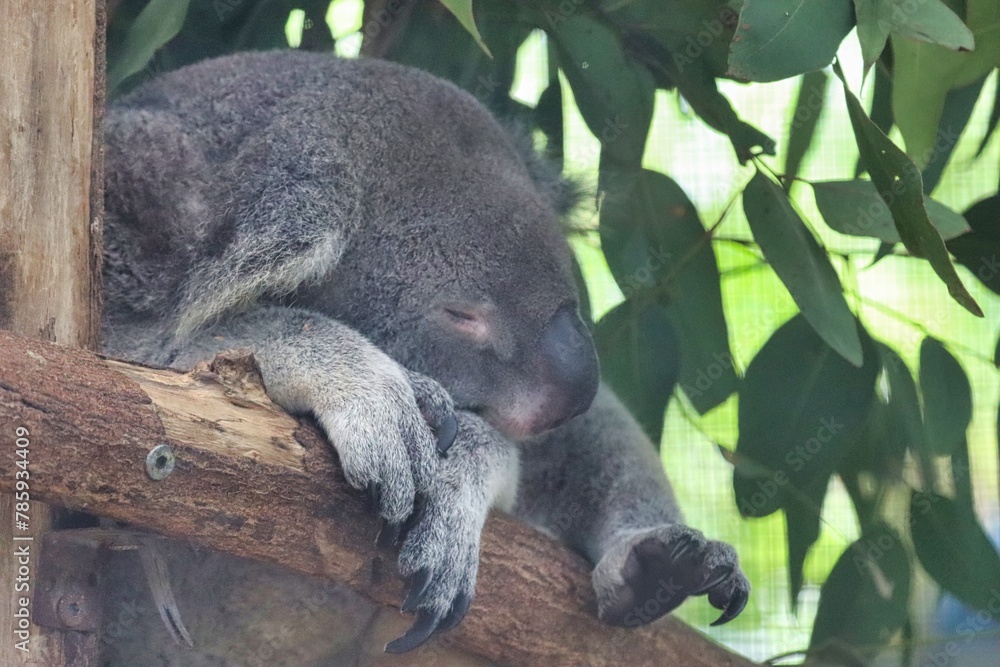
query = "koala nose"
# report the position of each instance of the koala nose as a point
(568, 363)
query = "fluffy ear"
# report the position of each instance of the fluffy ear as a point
(563, 193)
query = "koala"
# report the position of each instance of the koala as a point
(396, 260)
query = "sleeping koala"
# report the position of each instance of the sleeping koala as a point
(396, 262)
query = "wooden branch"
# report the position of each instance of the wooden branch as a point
(252, 481)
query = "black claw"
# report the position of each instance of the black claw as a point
(375, 495)
(684, 544)
(715, 581)
(446, 432)
(459, 609)
(422, 629)
(736, 605)
(418, 586)
(388, 534)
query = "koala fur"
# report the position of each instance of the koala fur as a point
(395, 260)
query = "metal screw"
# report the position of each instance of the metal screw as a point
(160, 462)
(70, 610)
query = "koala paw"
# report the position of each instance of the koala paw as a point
(652, 572)
(390, 434)
(440, 552)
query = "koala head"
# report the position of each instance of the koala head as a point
(461, 270)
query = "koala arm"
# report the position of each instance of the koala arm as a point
(597, 484)
(433, 494)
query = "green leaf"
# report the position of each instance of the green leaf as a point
(656, 245)
(881, 113)
(899, 184)
(800, 406)
(902, 412)
(803, 512)
(873, 32)
(855, 208)
(947, 397)
(156, 24)
(699, 88)
(928, 21)
(991, 125)
(952, 547)
(549, 119)
(924, 73)
(614, 93)
(802, 265)
(658, 249)
(640, 361)
(958, 106)
(979, 251)
(462, 9)
(808, 107)
(864, 601)
(777, 39)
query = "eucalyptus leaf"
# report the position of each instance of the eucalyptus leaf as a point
(904, 419)
(864, 601)
(873, 32)
(658, 250)
(952, 547)
(899, 183)
(929, 21)
(156, 24)
(802, 265)
(991, 125)
(614, 93)
(947, 397)
(803, 511)
(777, 39)
(955, 115)
(979, 251)
(808, 108)
(923, 74)
(639, 357)
(800, 407)
(855, 208)
(462, 9)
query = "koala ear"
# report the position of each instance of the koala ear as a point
(563, 193)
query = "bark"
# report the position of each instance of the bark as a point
(252, 481)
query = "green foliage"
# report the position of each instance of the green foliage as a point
(855, 208)
(822, 399)
(781, 38)
(864, 601)
(802, 265)
(953, 549)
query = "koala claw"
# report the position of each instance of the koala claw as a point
(651, 573)
(446, 432)
(418, 586)
(437, 407)
(388, 534)
(422, 629)
(731, 610)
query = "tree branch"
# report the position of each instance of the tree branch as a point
(252, 481)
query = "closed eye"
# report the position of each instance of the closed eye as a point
(460, 315)
(468, 322)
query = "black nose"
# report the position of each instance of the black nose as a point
(569, 364)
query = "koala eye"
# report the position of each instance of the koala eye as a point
(467, 321)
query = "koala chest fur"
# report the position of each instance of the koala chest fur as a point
(396, 261)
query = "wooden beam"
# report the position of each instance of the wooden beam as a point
(51, 98)
(251, 481)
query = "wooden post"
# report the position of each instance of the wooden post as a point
(51, 96)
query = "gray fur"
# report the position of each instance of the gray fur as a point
(394, 259)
